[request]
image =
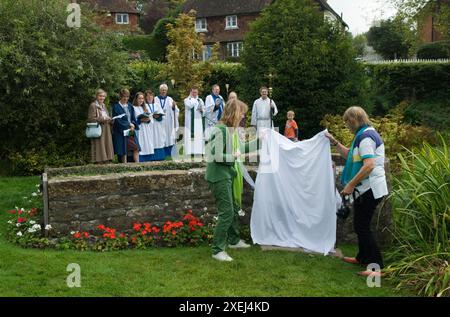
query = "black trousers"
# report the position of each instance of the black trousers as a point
(364, 207)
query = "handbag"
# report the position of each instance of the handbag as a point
(93, 130)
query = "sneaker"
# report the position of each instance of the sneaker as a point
(240, 245)
(222, 256)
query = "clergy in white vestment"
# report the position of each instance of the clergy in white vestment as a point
(158, 131)
(142, 114)
(264, 109)
(194, 120)
(215, 106)
(170, 120)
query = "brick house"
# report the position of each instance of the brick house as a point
(427, 25)
(116, 15)
(227, 22)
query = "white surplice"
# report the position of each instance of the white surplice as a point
(170, 120)
(145, 132)
(158, 127)
(261, 113)
(294, 203)
(195, 145)
(212, 117)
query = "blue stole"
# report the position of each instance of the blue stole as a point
(219, 114)
(351, 167)
(163, 105)
(151, 107)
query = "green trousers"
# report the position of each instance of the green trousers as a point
(227, 228)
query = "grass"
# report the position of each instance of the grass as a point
(170, 272)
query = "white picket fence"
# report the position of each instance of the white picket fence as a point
(391, 61)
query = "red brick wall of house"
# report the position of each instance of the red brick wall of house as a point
(109, 23)
(217, 33)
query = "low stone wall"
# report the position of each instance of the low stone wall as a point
(155, 192)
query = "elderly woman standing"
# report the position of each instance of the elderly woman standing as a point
(102, 150)
(363, 171)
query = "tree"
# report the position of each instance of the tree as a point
(153, 11)
(312, 62)
(359, 44)
(390, 39)
(49, 73)
(183, 54)
(415, 11)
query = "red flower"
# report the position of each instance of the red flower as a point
(20, 212)
(133, 239)
(144, 232)
(105, 235)
(101, 227)
(12, 211)
(21, 219)
(113, 236)
(32, 212)
(86, 235)
(122, 235)
(77, 235)
(137, 227)
(174, 232)
(147, 226)
(155, 230)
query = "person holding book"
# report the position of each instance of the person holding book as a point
(102, 148)
(158, 132)
(223, 168)
(125, 139)
(144, 133)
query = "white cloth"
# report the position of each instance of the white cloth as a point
(158, 127)
(261, 117)
(294, 201)
(144, 133)
(211, 115)
(197, 144)
(170, 120)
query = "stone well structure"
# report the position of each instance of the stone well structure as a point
(81, 198)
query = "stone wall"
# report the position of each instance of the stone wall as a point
(153, 192)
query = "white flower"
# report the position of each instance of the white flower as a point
(37, 227)
(241, 213)
(24, 198)
(38, 185)
(216, 218)
(19, 234)
(34, 194)
(18, 224)
(205, 209)
(48, 227)
(32, 222)
(10, 221)
(22, 209)
(31, 230)
(16, 208)
(166, 204)
(72, 232)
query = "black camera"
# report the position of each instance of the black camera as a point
(344, 211)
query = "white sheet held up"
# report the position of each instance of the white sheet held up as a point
(294, 201)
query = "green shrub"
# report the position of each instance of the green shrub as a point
(434, 50)
(147, 44)
(422, 222)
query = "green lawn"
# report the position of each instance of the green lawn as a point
(170, 272)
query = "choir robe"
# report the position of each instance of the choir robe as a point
(261, 113)
(120, 125)
(170, 121)
(158, 133)
(212, 117)
(194, 120)
(144, 135)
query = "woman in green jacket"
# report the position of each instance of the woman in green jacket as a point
(225, 178)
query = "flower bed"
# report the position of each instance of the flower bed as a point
(25, 230)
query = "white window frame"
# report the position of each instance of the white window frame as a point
(235, 48)
(207, 52)
(122, 15)
(231, 22)
(200, 22)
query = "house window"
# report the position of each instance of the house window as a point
(234, 49)
(200, 25)
(207, 52)
(122, 18)
(231, 22)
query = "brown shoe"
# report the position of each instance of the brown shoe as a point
(370, 273)
(350, 260)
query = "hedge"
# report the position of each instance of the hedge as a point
(434, 50)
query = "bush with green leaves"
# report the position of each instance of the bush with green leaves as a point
(312, 62)
(434, 50)
(49, 73)
(421, 197)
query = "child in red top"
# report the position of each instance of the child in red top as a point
(291, 129)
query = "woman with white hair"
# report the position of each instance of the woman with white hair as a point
(363, 172)
(170, 119)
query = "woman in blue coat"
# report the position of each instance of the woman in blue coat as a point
(127, 121)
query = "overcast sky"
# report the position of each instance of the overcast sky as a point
(359, 14)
